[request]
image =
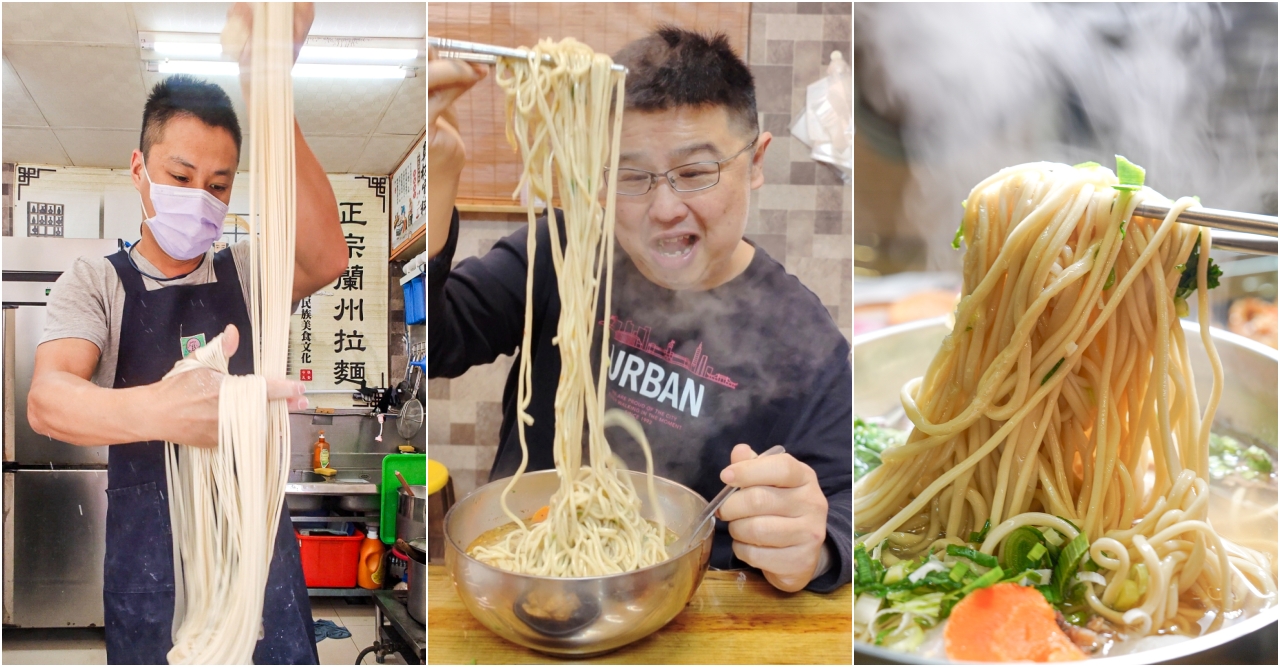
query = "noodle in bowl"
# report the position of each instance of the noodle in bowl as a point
(885, 360)
(574, 616)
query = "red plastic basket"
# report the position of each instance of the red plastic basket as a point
(329, 562)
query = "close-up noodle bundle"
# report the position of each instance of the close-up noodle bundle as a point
(559, 116)
(1062, 405)
(225, 503)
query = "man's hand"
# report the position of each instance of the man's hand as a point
(446, 81)
(778, 518)
(236, 36)
(191, 398)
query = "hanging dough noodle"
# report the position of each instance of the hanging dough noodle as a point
(558, 117)
(225, 503)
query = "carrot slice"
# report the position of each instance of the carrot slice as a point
(1007, 623)
(541, 514)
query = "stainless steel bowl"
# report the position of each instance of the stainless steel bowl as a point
(612, 611)
(884, 360)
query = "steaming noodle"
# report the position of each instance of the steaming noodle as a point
(1063, 399)
(558, 117)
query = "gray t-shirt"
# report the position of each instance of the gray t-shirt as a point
(88, 302)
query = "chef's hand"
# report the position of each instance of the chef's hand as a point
(191, 398)
(236, 35)
(778, 517)
(446, 81)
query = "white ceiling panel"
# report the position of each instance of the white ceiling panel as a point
(83, 86)
(180, 16)
(77, 68)
(371, 19)
(383, 153)
(86, 22)
(337, 154)
(99, 148)
(408, 111)
(19, 108)
(341, 106)
(36, 145)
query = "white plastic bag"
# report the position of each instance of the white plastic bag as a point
(826, 124)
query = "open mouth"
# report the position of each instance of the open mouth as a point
(676, 247)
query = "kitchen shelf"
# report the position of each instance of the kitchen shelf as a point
(412, 246)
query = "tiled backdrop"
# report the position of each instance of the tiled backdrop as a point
(802, 216)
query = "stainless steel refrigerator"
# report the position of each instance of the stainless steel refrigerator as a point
(55, 503)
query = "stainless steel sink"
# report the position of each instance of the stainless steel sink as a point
(346, 482)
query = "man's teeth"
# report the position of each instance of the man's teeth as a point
(676, 247)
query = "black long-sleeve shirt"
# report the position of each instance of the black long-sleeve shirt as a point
(757, 360)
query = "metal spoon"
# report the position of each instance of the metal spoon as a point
(679, 545)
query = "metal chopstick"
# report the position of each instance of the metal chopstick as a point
(1250, 244)
(456, 47)
(1231, 221)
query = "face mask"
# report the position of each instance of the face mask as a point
(187, 220)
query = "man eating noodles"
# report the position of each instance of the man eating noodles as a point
(714, 347)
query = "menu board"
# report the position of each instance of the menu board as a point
(338, 336)
(409, 195)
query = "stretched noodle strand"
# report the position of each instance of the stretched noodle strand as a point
(225, 503)
(558, 118)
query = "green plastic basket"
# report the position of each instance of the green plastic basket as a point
(414, 469)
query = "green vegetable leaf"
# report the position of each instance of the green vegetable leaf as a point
(866, 569)
(974, 555)
(989, 579)
(1069, 562)
(869, 440)
(981, 536)
(1187, 283)
(1052, 371)
(1131, 175)
(1111, 280)
(955, 242)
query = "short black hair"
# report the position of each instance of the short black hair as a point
(674, 67)
(184, 95)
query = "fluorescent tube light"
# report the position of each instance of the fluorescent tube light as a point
(219, 68)
(199, 67)
(188, 49)
(347, 54)
(348, 71)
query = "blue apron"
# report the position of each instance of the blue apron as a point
(138, 586)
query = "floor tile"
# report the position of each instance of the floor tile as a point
(337, 651)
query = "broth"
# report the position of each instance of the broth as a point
(494, 535)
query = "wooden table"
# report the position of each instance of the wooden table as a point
(734, 618)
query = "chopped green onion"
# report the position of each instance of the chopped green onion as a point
(1069, 562)
(1037, 552)
(1130, 174)
(1087, 165)
(1128, 596)
(985, 560)
(1015, 555)
(1051, 371)
(981, 536)
(955, 242)
(988, 579)
(958, 572)
(1111, 280)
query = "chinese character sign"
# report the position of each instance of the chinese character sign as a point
(409, 195)
(338, 337)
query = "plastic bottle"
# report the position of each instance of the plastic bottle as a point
(369, 569)
(320, 457)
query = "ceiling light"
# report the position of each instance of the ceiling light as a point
(188, 50)
(310, 70)
(349, 54)
(200, 67)
(303, 70)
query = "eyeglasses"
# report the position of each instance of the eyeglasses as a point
(685, 178)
